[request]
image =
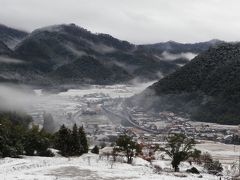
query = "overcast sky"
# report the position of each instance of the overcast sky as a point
(138, 21)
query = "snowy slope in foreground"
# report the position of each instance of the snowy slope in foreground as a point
(86, 167)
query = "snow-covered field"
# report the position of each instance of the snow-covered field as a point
(91, 167)
(226, 153)
(86, 167)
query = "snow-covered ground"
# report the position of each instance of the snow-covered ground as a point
(226, 153)
(113, 91)
(86, 167)
(91, 167)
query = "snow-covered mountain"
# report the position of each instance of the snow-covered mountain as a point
(10, 36)
(68, 54)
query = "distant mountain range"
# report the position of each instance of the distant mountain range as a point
(10, 36)
(4, 49)
(207, 88)
(175, 47)
(68, 54)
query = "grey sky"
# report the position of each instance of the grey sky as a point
(138, 21)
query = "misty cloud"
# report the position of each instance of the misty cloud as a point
(159, 75)
(169, 56)
(101, 48)
(16, 97)
(63, 106)
(136, 21)
(75, 51)
(128, 68)
(8, 60)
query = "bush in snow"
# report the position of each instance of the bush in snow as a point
(157, 169)
(206, 158)
(95, 150)
(214, 167)
(193, 170)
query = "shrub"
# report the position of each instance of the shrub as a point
(193, 170)
(213, 167)
(95, 150)
(157, 169)
(46, 153)
(206, 158)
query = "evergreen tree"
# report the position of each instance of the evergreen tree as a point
(37, 142)
(16, 138)
(45, 141)
(11, 137)
(31, 141)
(75, 141)
(71, 143)
(83, 140)
(62, 142)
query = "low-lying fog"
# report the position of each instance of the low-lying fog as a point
(62, 105)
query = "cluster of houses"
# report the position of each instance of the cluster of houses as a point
(165, 123)
(160, 125)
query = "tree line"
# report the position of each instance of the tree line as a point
(71, 142)
(16, 138)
